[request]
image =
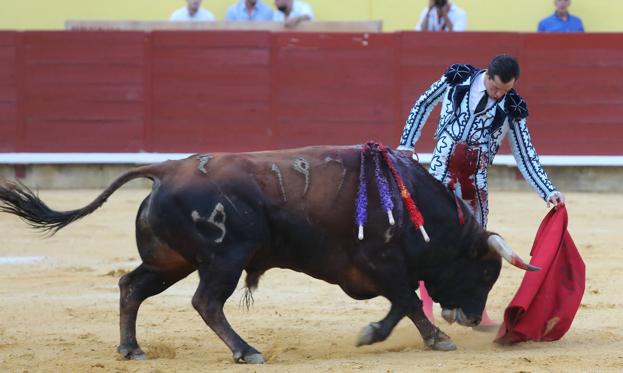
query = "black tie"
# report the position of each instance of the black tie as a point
(482, 104)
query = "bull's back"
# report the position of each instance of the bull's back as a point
(311, 189)
(317, 182)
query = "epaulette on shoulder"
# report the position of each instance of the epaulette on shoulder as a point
(516, 106)
(458, 73)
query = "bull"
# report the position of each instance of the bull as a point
(224, 213)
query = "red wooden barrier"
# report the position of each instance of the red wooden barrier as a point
(8, 91)
(176, 91)
(334, 88)
(575, 90)
(211, 91)
(81, 92)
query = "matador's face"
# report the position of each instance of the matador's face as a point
(496, 88)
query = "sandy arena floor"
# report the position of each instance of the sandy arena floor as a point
(59, 313)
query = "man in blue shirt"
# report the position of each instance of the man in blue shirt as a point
(249, 10)
(561, 20)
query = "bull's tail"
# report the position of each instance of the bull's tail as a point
(18, 199)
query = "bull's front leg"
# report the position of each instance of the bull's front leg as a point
(433, 336)
(379, 331)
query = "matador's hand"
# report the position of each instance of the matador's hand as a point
(406, 152)
(556, 198)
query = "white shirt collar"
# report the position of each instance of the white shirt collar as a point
(479, 83)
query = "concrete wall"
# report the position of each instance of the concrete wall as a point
(68, 176)
(567, 179)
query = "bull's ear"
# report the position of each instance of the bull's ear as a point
(475, 252)
(497, 244)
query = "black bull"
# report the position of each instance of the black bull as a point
(225, 213)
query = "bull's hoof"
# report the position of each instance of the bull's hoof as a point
(443, 346)
(369, 335)
(131, 353)
(440, 342)
(250, 358)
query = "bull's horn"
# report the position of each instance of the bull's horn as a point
(497, 244)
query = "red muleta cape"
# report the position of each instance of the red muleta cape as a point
(547, 300)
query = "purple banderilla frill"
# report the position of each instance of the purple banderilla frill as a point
(383, 185)
(362, 195)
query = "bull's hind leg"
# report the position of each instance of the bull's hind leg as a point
(217, 281)
(136, 286)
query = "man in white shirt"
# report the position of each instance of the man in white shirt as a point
(442, 15)
(292, 12)
(192, 12)
(249, 10)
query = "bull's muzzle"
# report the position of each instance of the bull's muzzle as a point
(497, 244)
(457, 314)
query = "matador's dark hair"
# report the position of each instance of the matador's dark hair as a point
(505, 67)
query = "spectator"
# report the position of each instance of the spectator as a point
(442, 15)
(292, 12)
(561, 20)
(192, 12)
(249, 10)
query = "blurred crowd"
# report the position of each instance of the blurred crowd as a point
(443, 15)
(290, 12)
(439, 15)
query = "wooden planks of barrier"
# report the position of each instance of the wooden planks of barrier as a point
(191, 91)
(8, 91)
(82, 91)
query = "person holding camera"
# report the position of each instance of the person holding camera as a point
(442, 15)
(292, 12)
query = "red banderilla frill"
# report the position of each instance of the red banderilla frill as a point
(414, 212)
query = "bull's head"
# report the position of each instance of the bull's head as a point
(462, 288)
